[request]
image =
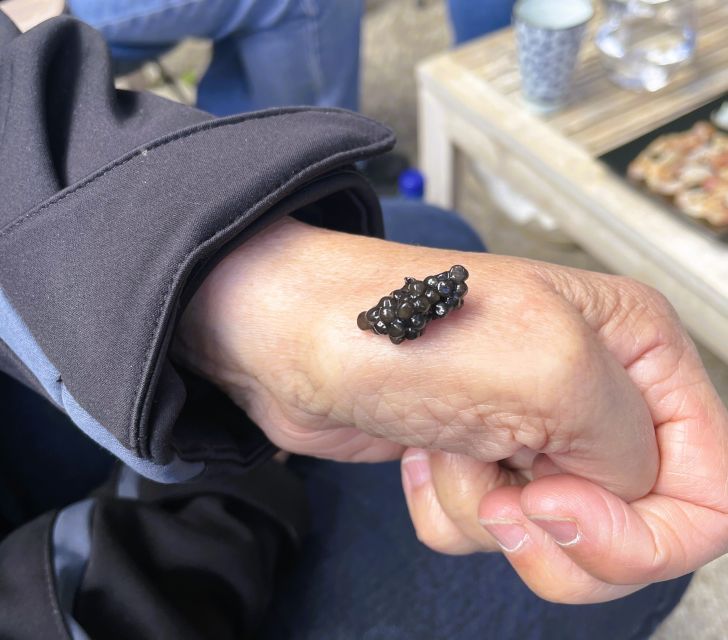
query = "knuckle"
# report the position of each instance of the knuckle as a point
(567, 371)
(556, 594)
(656, 303)
(660, 566)
(441, 539)
(436, 540)
(569, 587)
(643, 301)
(568, 358)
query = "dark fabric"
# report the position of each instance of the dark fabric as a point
(363, 574)
(45, 462)
(28, 601)
(114, 201)
(189, 562)
(193, 562)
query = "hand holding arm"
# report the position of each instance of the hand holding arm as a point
(518, 368)
(576, 379)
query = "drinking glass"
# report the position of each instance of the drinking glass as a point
(549, 34)
(643, 42)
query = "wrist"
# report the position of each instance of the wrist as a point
(246, 307)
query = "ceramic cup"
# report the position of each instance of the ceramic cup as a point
(549, 35)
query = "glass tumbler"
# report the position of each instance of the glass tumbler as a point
(643, 42)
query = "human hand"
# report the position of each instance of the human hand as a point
(517, 371)
(583, 368)
(569, 539)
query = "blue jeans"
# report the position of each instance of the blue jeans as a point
(266, 53)
(473, 18)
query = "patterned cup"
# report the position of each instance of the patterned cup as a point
(549, 35)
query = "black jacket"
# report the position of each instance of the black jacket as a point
(114, 207)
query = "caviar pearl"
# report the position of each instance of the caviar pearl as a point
(458, 273)
(405, 310)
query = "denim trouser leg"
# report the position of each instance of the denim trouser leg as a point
(266, 52)
(473, 18)
(413, 222)
(362, 573)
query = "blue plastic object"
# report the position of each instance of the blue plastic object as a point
(411, 184)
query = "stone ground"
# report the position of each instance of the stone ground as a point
(397, 34)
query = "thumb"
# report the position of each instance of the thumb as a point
(654, 538)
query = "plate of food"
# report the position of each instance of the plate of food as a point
(684, 164)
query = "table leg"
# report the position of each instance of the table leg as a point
(437, 154)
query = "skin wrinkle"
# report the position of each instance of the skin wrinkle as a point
(662, 547)
(475, 419)
(720, 503)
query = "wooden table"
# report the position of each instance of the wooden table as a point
(470, 106)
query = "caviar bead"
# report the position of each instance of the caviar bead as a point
(418, 321)
(405, 310)
(443, 276)
(441, 309)
(396, 329)
(445, 288)
(458, 273)
(380, 327)
(362, 322)
(461, 289)
(387, 303)
(387, 315)
(422, 305)
(399, 340)
(432, 296)
(373, 315)
(417, 288)
(412, 333)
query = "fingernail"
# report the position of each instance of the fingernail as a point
(416, 467)
(563, 530)
(509, 535)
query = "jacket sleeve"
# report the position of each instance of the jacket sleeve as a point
(114, 206)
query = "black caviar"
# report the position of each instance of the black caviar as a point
(404, 313)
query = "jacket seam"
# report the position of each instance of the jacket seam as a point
(6, 114)
(179, 135)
